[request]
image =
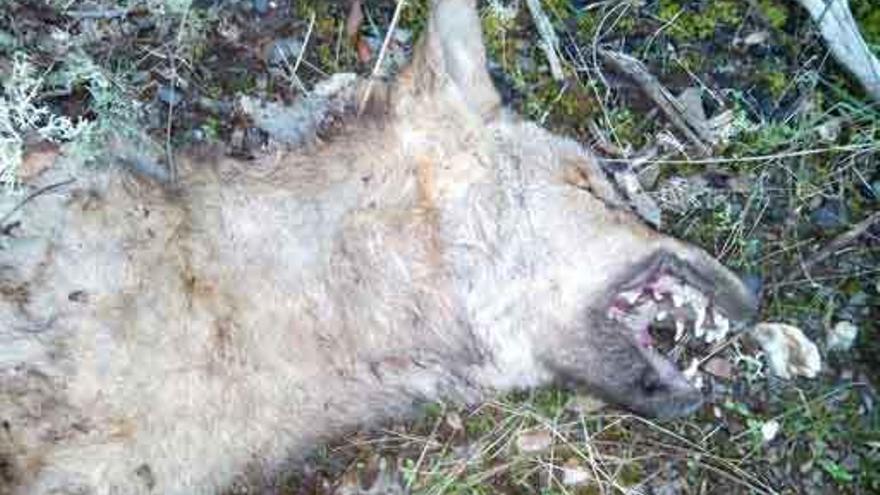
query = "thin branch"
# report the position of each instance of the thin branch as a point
(377, 68)
(841, 34)
(30, 197)
(97, 14)
(549, 41)
(695, 132)
(836, 245)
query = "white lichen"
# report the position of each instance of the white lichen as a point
(23, 117)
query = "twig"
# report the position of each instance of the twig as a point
(172, 62)
(843, 38)
(34, 195)
(696, 132)
(857, 148)
(97, 14)
(376, 68)
(302, 50)
(549, 41)
(836, 245)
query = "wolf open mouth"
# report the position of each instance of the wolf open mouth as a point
(671, 317)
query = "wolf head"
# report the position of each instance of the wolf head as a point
(553, 268)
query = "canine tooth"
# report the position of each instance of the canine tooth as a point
(677, 299)
(630, 296)
(691, 371)
(720, 327)
(661, 315)
(700, 319)
(615, 313)
(679, 330)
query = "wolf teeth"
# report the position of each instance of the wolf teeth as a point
(691, 371)
(699, 329)
(679, 330)
(677, 299)
(720, 328)
(630, 296)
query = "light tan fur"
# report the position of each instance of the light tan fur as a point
(158, 339)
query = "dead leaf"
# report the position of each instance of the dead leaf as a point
(574, 474)
(534, 440)
(453, 420)
(769, 430)
(364, 52)
(719, 367)
(789, 352)
(830, 129)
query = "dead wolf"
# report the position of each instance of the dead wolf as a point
(165, 338)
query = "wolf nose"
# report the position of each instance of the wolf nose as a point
(681, 405)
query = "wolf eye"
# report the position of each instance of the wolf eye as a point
(651, 383)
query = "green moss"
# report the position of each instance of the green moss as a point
(626, 125)
(414, 16)
(775, 12)
(585, 25)
(699, 23)
(776, 82)
(867, 14)
(558, 10)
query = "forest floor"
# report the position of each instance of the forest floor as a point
(794, 166)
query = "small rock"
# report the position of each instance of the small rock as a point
(841, 336)
(534, 440)
(756, 38)
(830, 216)
(789, 352)
(283, 51)
(769, 430)
(169, 95)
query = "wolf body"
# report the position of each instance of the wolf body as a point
(167, 338)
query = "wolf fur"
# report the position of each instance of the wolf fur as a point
(168, 338)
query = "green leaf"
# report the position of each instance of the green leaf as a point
(836, 471)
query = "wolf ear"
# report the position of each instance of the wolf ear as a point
(451, 56)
